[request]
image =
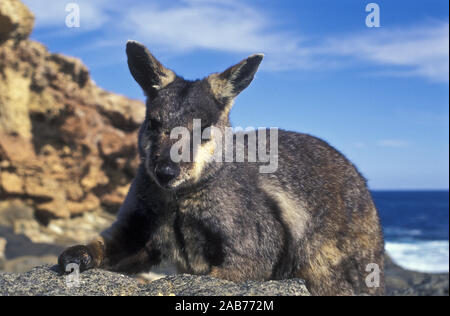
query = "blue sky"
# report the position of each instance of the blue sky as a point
(379, 95)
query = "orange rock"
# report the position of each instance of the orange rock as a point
(15, 149)
(11, 183)
(16, 21)
(90, 203)
(66, 145)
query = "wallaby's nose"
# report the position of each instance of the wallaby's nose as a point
(166, 172)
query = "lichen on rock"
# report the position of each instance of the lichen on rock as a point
(46, 280)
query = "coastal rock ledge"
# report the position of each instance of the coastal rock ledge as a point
(46, 281)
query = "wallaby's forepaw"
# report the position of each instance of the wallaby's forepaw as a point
(79, 255)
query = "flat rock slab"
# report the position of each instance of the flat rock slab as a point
(46, 281)
(190, 285)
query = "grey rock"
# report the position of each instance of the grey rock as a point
(190, 285)
(13, 212)
(19, 245)
(46, 281)
(402, 282)
(26, 263)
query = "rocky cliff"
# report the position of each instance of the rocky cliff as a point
(66, 146)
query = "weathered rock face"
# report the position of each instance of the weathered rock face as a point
(66, 146)
(401, 282)
(16, 21)
(46, 281)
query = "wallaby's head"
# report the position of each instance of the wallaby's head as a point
(175, 104)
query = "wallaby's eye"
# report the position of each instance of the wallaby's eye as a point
(153, 125)
(205, 135)
(203, 127)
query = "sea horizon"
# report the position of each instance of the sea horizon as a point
(416, 227)
(409, 190)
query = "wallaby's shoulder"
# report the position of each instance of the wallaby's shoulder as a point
(307, 163)
(304, 150)
(298, 143)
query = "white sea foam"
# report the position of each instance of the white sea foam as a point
(422, 256)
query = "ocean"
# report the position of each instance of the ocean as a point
(416, 228)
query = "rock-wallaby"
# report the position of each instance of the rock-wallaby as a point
(312, 218)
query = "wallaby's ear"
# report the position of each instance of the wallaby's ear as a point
(232, 81)
(149, 73)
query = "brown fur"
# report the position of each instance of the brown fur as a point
(313, 218)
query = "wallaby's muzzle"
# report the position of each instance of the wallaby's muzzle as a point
(166, 172)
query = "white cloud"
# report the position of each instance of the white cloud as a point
(50, 13)
(199, 26)
(228, 26)
(393, 143)
(237, 27)
(417, 51)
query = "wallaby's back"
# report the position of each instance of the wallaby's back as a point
(330, 213)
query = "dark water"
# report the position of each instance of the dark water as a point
(416, 228)
(413, 215)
